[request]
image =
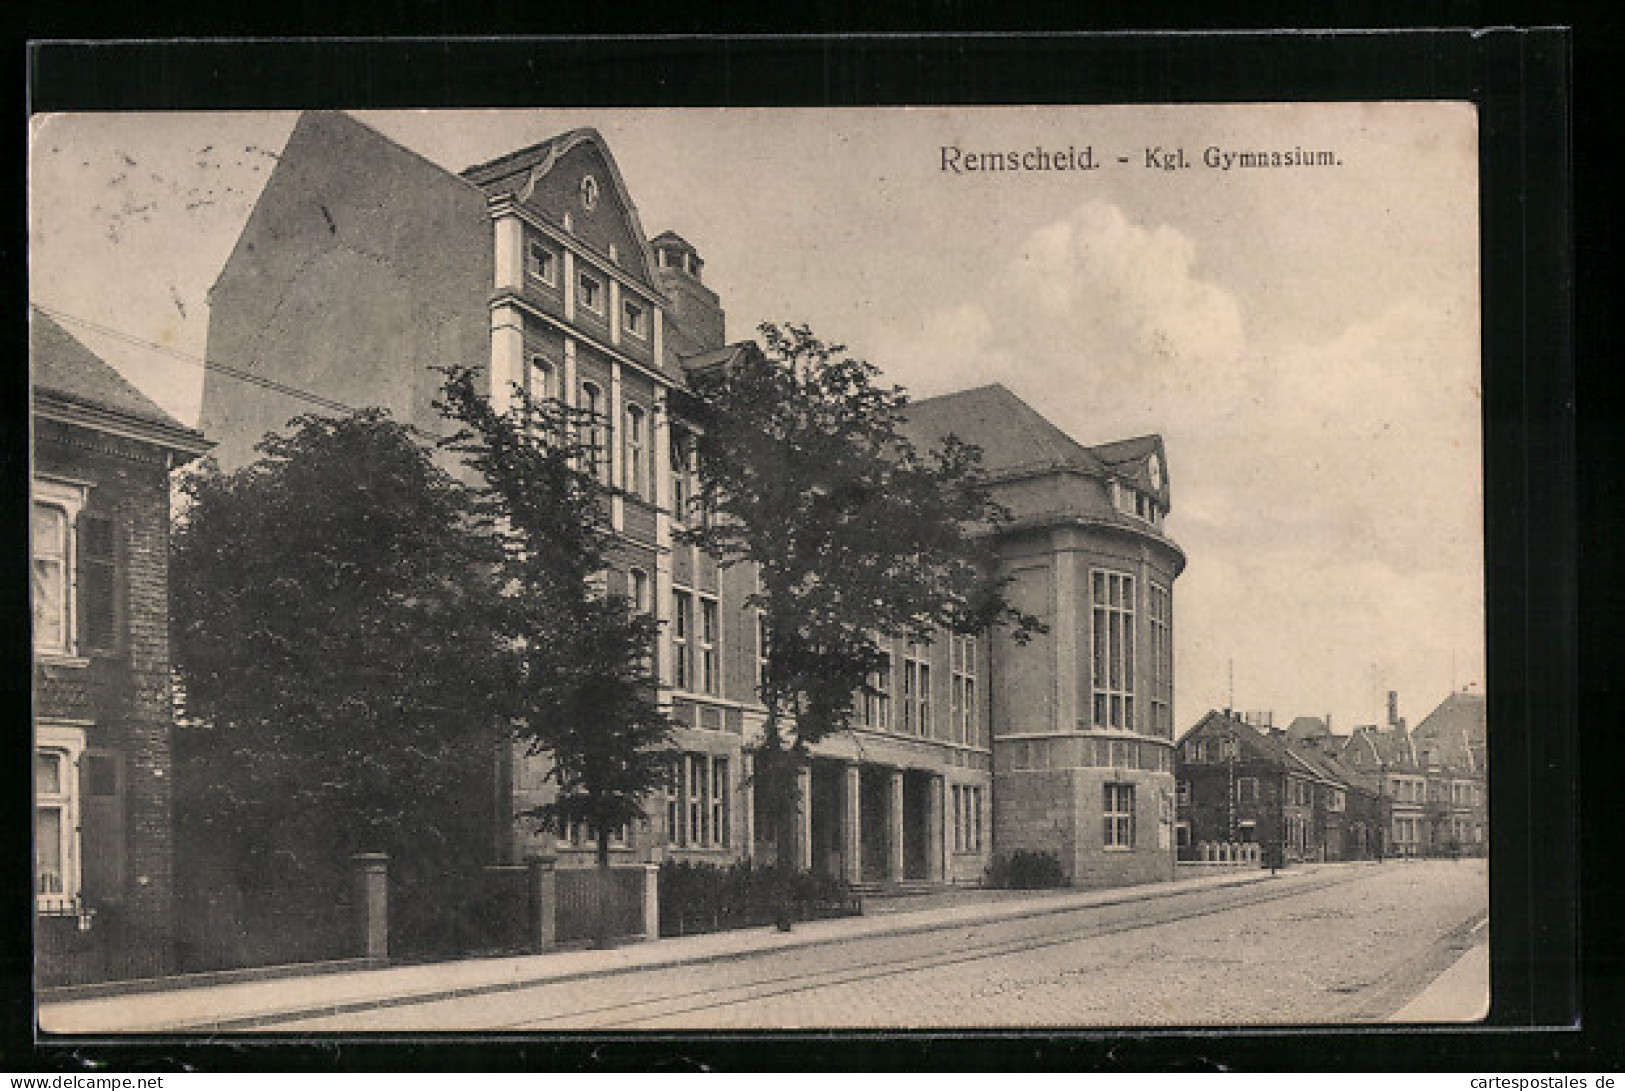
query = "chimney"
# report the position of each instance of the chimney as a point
(1328, 723)
(1393, 708)
(694, 321)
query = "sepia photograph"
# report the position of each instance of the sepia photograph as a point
(672, 570)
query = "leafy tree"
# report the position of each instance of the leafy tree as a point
(807, 473)
(585, 694)
(332, 615)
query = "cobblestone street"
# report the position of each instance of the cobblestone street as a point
(1336, 943)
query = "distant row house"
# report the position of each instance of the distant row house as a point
(1310, 794)
(1433, 776)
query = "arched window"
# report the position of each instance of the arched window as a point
(595, 429)
(637, 468)
(541, 386)
(682, 474)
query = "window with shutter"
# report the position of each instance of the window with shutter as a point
(98, 583)
(101, 813)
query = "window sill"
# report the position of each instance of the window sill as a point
(60, 659)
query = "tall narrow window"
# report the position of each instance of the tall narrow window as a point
(719, 802)
(51, 822)
(56, 817)
(1113, 645)
(1162, 661)
(638, 589)
(708, 646)
(674, 802)
(963, 712)
(761, 650)
(916, 690)
(682, 626)
(53, 598)
(883, 686)
(911, 685)
(636, 452)
(541, 386)
(595, 435)
(698, 808)
(682, 474)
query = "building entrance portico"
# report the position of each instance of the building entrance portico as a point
(874, 823)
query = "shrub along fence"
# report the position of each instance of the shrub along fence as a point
(700, 897)
(1025, 870)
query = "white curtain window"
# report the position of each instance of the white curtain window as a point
(52, 598)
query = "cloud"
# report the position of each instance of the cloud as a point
(1327, 491)
(1087, 305)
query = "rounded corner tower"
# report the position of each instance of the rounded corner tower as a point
(1082, 713)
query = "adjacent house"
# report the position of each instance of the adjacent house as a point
(1286, 791)
(364, 267)
(1432, 779)
(103, 861)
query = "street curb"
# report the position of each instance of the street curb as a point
(1083, 900)
(203, 979)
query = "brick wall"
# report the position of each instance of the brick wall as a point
(122, 694)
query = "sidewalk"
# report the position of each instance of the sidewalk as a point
(243, 1005)
(1459, 995)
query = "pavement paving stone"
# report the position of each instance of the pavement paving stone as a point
(223, 1005)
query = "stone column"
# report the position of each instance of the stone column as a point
(568, 284)
(851, 824)
(544, 901)
(651, 901)
(935, 841)
(894, 826)
(372, 882)
(509, 266)
(803, 861)
(617, 442)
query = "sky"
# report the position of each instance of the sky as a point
(1306, 340)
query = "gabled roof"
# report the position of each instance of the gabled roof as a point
(1016, 440)
(717, 357)
(515, 173)
(672, 238)
(1459, 727)
(1127, 450)
(1391, 748)
(1307, 727)
(75, 384)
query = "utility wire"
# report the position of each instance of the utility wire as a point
(205, 364)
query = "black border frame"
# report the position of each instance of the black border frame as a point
(1520, 80)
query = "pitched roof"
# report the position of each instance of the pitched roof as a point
(1392, 747)
(68, 373)
(1307, 727)
(515, 173)
(1126, 450)
(673, 238)
(1015, 438)
(1459, 727)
